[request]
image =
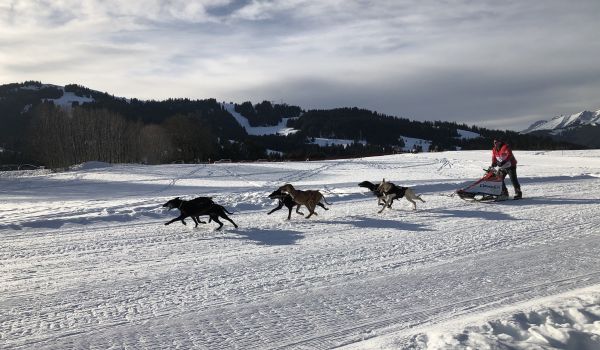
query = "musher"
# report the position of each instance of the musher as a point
(503, 157)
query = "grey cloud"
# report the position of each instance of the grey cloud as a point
(492, 100)
(489, 62)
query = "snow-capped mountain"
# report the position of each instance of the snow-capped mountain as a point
(581, 128)
(559, 123)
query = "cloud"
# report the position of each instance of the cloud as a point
(487, 62)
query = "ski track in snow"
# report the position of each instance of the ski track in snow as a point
(86, 262)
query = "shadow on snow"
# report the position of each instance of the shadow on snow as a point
(267, 236)
(371, 223)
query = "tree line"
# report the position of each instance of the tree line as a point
(59, 138)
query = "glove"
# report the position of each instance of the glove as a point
(506, 165)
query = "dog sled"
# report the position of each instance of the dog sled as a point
(489, 188)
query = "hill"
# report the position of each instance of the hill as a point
(58, 126)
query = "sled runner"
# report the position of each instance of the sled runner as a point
(488, 188)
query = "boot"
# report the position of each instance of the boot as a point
(503, 196)
(518, 194)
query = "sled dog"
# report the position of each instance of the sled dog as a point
(390, 191)
(309, 198)
(197, 207)
(286, 199)
(375, 191)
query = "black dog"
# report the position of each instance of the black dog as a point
(214, 212)
(286, 199)
(197, 207)
(376, 192)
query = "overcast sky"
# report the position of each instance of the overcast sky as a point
(501, 64)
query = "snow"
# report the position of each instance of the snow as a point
(274, 152)
(322, 142)
(280, 128)
(31, 87)
(86, 262)
(67, 99)
(410, 143)
(562, 122)
(467, 135)
(567, 321)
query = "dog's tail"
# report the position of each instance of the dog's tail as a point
(227, 211)
(325, 200)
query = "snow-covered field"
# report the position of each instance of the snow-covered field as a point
(86, 262)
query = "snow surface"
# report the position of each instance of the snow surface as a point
(410, 143)
(86, 262)
(67, 99)
(466, 134)
(280, 129)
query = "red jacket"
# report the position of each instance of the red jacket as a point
(502, 156)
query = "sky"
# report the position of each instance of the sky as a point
(499, 64)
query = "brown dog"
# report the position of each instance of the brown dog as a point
(309, 198)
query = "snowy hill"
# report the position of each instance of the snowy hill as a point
(279, 129)
(87, 262)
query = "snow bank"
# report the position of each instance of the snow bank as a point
(567, 321)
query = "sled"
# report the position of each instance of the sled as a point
(488, 188)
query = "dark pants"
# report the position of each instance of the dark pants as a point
(512, 173)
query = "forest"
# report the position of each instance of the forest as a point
(117, 130)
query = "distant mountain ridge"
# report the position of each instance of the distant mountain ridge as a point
(558, 123)
(581, 128)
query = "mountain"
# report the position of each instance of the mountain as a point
(581, 128)
(560, 123)
(58, 126)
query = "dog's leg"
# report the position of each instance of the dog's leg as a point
(384, 205)
(298, 210)
(322, 206)
(179, 218)
(197, 220)
(311, 209)
(215, 218)
(172, 221)
(411, 196)
(388, 201)
(278, 207)
(224, 216)
(290, 213)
